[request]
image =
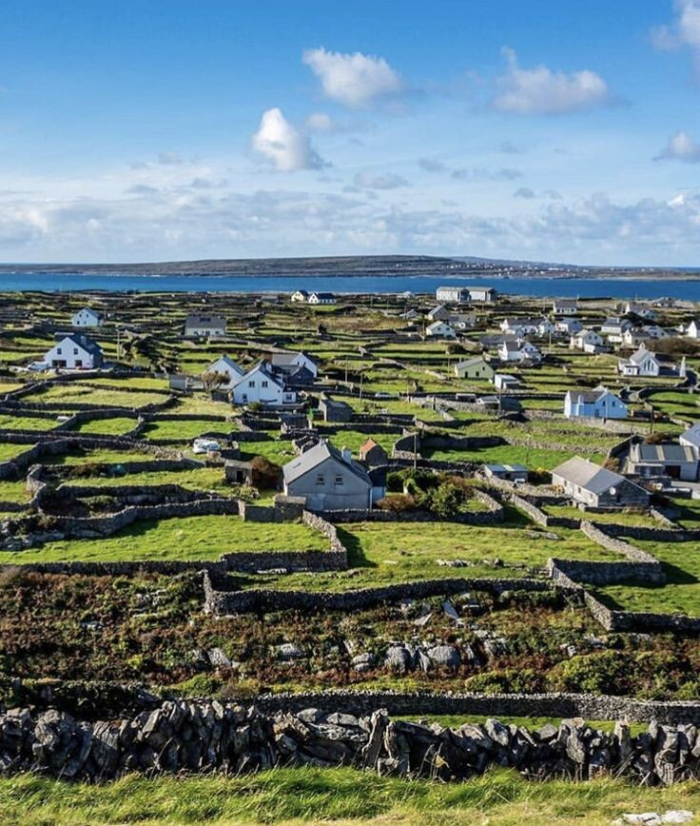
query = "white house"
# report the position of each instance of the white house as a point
(568, 326)
(226, 366)
(614, 328)
(289, 362)
(439, 329)
(321, 298)
(453, 295)
(86, 318)
(519, 326)
(644, 363)
(587, 340)
(197, 326)
(642, 310)
(438, 313)
(545, 327)
(460, 321)
(482, 294)
(691, 437)
(259, 385)
(693, 329)
(504, 382)
(74, 352)
(565, 306)
(300, 297)
(594, 404)
(654, 331)
(516, 351)
(634, 338)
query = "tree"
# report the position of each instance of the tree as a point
(445, 501)
(212, 380)
(266, 474)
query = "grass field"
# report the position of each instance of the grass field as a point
(196, 479)
(107, 427)
(27, 423)
(386, 553)
(188, 538)
(680, 594)
(106, 397)
(310, 795)
(507, 454)
(184, 430)
(9, 451)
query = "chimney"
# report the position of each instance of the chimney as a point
(347, 455)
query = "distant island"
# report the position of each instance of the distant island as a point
(360, 265)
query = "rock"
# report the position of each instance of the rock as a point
(218, 659)
(287, 651)
(421, 622)
(363, 662)
(446, 656)
(398, 658)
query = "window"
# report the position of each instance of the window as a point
(339, 480)
(59, 351)
(264, 384)
(320, 479)
(251, 384)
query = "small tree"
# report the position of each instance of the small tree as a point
(212, 380)
(446, 500)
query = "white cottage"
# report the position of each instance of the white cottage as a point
(74, 352)
(594, 404)
(86, 318)
(260, 385)
(227, 367)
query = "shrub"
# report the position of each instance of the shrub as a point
(602, 673)
(446, 500)
(394, 482)
(399, 503)
(266, 474)
(509, 681)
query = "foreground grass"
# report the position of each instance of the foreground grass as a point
(188, 538)
(500, 798)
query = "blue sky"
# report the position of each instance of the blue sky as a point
(144, 130)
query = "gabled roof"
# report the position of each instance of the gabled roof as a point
(692, 435)
(230, 363)
(437, 324)
(641, 354)
(588, 475)
(662, 453)
(590, 396)
(315, 456)
(260, 367)
(87, 310)
(463, 365)
(287, 358)
(79, 340)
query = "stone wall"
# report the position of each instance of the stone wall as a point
(222, 603)
(181, 736)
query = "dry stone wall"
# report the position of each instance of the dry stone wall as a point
(184, 736)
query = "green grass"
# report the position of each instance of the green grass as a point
(629, 518)
(26, 423)
(189, 538)
(184, 430)
(14, 492)
(680, 594)
(199, 405)
(197, 479)
(107, 427)
(507, 454)
(76, 392)
(386, 553)
(305, 795)
(9, 451)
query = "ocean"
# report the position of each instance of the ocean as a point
(536, 286)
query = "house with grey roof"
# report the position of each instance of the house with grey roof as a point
(198, 326)
(594, 486)
(474, 368)
(594, 404)
(226, 366)
(288, 361)
(329, 479)
(74, 352)
(334, 410)
(645, 363)
(675, 461)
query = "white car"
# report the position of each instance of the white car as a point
(205, 446)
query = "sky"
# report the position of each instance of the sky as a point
(154, 130)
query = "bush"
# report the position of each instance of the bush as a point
(602, 673)
(399, 503)
(266, 474)
(509, 681)
(394, 482)
(446, 500)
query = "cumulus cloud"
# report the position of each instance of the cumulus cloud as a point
(681, 147)
(283, 145)
(170, 159)
(541, 91)
(387, 180)
(684, 30)
(354, 80)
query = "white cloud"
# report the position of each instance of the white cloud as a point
(683, 31)
(283, 145)
(541, 91)
(431, 165)
(524, 192)
(681, 147)
(368, 180)
(482, 174)
(355, 80)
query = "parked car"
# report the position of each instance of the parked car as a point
(205, 446)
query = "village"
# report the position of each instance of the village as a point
(246, 495)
